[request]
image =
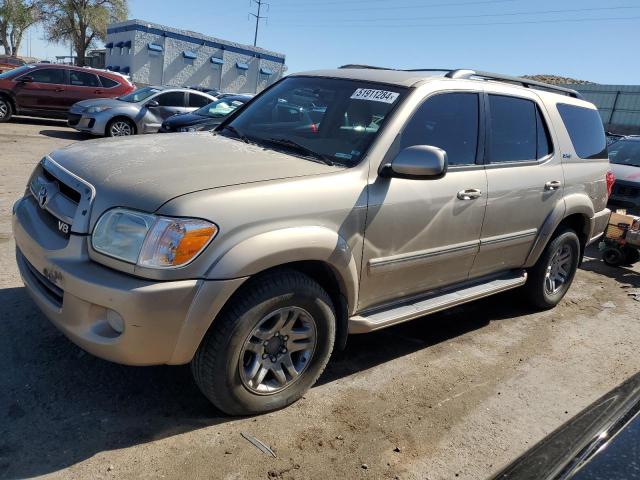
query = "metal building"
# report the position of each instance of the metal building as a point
(619, 105)
(154, 54)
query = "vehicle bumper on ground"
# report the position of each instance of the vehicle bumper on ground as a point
(163, 322)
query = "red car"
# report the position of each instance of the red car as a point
(47, 90)
(9, 63)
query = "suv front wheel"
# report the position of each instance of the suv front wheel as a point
(268, 346)
(550, 278)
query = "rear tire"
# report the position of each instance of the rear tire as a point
(6, 109)
(120, 127)
(614, 257)
(268, 346)
(550, 278)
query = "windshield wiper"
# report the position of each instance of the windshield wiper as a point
(235, 131)
(285, 142)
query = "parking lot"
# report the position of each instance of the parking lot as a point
(455, 395)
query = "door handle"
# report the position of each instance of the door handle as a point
(97, 91)
(59, 89)
(553, 185)
(469, 194)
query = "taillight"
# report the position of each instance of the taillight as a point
(611, 179)
(314, 128)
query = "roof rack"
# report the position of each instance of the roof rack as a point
(525, 82)
(364, 67)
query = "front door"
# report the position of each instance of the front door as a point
(169, 104)
(525, 179)
(425, 234)
(44, 90)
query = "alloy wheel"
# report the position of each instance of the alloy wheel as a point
(278, 350)
(558, 270)
(4, 108)
(121, 129)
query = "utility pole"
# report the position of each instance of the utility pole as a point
(258, 17)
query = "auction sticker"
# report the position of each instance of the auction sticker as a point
(375, 95)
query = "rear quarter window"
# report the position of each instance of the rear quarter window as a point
(585, 130)
(107, 82)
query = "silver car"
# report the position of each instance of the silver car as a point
(141, 111)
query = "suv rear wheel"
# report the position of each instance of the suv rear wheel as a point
(120, 127)
(550, 278)
(6, 110)
(268, 347)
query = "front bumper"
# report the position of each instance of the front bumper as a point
(164, 322)
(89, 123)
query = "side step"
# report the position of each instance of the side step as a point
(371, 320)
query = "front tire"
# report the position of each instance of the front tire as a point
(268, 346)
(6, 110)
(550, 278)
(120, 127)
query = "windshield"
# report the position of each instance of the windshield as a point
(625, 152)
(16, 71)
(219, 108)
(333, 119)
(139, 95)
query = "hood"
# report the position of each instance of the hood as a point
(111, 102)
(186, 120)
(627, 173)
(146, 171)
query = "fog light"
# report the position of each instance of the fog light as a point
(115, 321)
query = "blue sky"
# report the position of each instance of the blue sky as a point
(577, 38)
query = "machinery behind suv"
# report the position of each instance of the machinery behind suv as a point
(625, 164)
(253, 251)
(48, 90)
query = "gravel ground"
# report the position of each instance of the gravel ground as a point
(454, 395)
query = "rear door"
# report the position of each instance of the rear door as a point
(46, 90)
(82, 86)
(524, 176)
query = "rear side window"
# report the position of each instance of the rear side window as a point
(449, 121)
(107, 82)
(83, 79)
(48, 75)
(198, 101)
(171, 99)
(518, 131)
(585, 130)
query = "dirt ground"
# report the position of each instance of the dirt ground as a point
(454, 395)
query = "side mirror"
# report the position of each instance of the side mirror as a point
(152, 104)
(418, 162)
(26, 79)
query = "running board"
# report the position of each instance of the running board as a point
(371, 320)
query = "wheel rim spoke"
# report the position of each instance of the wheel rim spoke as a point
(279, 375)
(558, 269)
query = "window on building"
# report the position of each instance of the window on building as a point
(449, 121)
(83, 79)
(171, 99)
(48, 75)
(585, 130)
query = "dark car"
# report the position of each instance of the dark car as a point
(46, 90)
(601, 442)
(205, 118)
(625, 165)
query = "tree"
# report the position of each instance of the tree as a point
(81, 22)
(15, 17)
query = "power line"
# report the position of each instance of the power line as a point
(258, 17)
(484, 15)
(524, 22)
(396, 7)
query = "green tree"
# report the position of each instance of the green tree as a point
(16, 16)
(81, 22)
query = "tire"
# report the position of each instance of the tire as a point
(6, 109)
(614, 257)
(229, 363)
(550, 278)
(120, 127)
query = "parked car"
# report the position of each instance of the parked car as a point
(142, 111)
(8, 62)
(625, 164)
(601, 442)
(47, 90)
(205, 118)
(211, 91)
(252, 253)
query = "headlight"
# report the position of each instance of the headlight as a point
(189, 129)
(98, 109)
(151, 240)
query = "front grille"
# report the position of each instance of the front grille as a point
(73, 119)
(54, 293)
(66, 190)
